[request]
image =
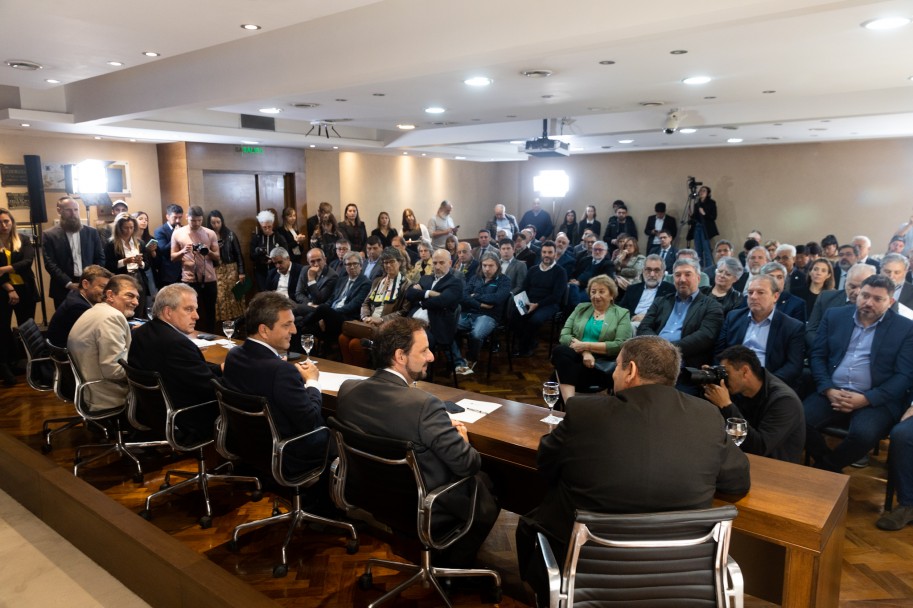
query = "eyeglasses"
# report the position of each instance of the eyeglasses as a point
(385, 262)
(653, 270)
(351, 264)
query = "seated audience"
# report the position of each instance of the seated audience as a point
(340, 248)
(100, 338)
(422, 267)
(540, 220)
(593, 459)
(640, 296)
(326, 236)
(435, 300)
(485, 245)
(829, 249)
(787, 303)
(91, 290)
(895, 267)
(409, 256)
(665, 250)
(820, 278)
(864, 246)
(727, 272)
(503, 221)
(511, 267)
(465, 266)
(163, 345)
(450, 245)
(629, 263)
(595, 263)
(316, 284)
(900, 459)
(568, 227)
(522, 251)
(545, 286)
(345, 303)
(777, 339)
(835, 298)
(482, 308)
(284, 274)
(723, 249)
(691, 254)
(862, 364)
(847, 255)
(585, 246)
(384, 231)
(796, 282)
(372, 267)
(620, 223)
(591, 338)
(387, 405)
(564, 255)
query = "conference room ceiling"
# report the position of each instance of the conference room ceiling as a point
(782, 71)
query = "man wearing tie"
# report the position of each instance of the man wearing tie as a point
(345, 304)
(466, 266)
(665, 250)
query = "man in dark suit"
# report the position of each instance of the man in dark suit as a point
(620, 223)
(344, 304)
(436, 298)
(665, 250)
(511, 267)
(585, 269)
(316, 284)
(797, 281)
(594, 459)
(776, 339)
(834, 298)
(284, 274)
(169, 271)
(787, 303)
(68, 248)
(386, 404)
(465, 265)
(341, 248)
(91, 291)
(688, 318)
(862, 363)
(163, 345)
(640, 296)
(657, 223)
(256, 368)
(849, 255)
(372, 268)
(895, 266)
(864, 245)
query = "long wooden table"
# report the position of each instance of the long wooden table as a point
(788, 535)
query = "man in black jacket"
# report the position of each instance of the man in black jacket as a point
(68, 248)
(621, 223)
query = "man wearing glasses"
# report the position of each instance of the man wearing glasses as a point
(796, 282)
(345, 303)
(640, 296)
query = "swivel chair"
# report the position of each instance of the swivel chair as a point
(247, 432)
(39, 371)
(154, 411)
(65, 389)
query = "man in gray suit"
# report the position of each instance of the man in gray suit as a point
(387, 405)
(511, 267)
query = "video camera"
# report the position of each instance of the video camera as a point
(714, 374)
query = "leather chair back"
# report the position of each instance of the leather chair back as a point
(64, 380)
(40, 370)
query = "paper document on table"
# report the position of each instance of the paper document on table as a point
(225, 342)
(475, 410)
(329, 381)
(200, 343)
(905, 311)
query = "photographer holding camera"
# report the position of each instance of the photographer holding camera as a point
(197, 250)
(776, 420)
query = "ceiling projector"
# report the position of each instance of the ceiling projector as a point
(543, 147)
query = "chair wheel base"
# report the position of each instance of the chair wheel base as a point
(352, 546)
(164, 486)
(138, 478)
(233, 546)
(145, 514)
(205, 522)
(45, 449)
(365, 581)
(257, 496)
(280, 570)
(276, 512)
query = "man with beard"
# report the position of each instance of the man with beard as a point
(619, 224)
(544, 286)
(388, 405)
(539, 219)
(847, 256)
(169, 272)
(640, 296)
(834, 298)
(68, 248)
(91, 290)
(100, 338)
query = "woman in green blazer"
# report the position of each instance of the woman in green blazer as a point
(591, 339)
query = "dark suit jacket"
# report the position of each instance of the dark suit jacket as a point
(785, 350)
(384, 405)
(826, 300)
(65, 317)
(252, 368)
(355, 297)
(376, 272)
(294, 274)
(703, 322)
(891, 357)
(670, 258)
(670, 225)
(159, 347)
(441, 309)
(169, 272)
(613, 229)
(623, 454)
(787, 303)
(634, 292)
(906, 296)
(466, 272)
(58, 259)
(873, 262)
(320, 291)
(708, 218)
(586, 269)
(797, 282)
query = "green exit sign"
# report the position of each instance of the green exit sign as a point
(250, 149)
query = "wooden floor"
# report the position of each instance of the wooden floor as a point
(877, 567)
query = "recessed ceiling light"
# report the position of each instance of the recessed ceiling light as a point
(405, 127)
(25, 124)
(536, 73)
(606, 62)
(678, 52)
(98, 137)
(626, 141)
(517, 142)
(312, 146)
(270, 110)
(23, 64)
(734, 140)
(910, 78)
(778, 124)
(423, 154)
(687, 131)
(116, 64)
(133, 140)
(459, 157)
(249, 142)
(335, 147)
(305, 105)
(511, 116)
(697, 80)
(606, 147)
(650, 104)
(151, 54)
(250, 26)
(405, 154)
(478, 81)
(885, 23)
(435, 110)
(52, 81)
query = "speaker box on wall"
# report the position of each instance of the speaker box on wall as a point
(37, 208)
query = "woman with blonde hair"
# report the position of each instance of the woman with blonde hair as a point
(17, 289)
(125, 253)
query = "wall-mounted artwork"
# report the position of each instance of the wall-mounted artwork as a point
(17, 200)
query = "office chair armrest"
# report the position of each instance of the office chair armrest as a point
(426, 513)
(173, 419)
(309, 477)
(551, 569)
(735, 586)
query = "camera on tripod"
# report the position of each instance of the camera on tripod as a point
(201, 248)
(693, 185)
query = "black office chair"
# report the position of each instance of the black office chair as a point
(246, 432)
(112, 416)
(39, 371)
(382, 476)
(558, 320)
(680, 558)
(154, 411)
(65, 389)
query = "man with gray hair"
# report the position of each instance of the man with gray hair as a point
(503, 221)
(262, 242)
(895, 266)
(592, 459)
(864, 245)
(688, 318)
(777, 339)
(687, 254)
(283, 277)
(639, 296)
(164, 345)
(797, 281)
